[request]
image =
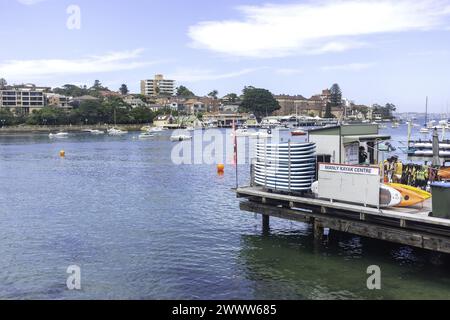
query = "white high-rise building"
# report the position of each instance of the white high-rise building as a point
(157, 86)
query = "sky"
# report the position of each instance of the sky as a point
(395, 51)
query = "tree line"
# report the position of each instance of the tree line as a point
(88, 112)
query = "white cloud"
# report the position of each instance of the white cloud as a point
(113, 61)
(276, 30)
(197, 75)
(29, 2)
(348, 67)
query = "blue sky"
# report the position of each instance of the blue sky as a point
(378, 51)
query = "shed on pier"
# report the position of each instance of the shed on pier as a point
(342, 143)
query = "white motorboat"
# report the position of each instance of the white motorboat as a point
(58, 135)
(116, 132)
(260, 135)
(190, 129)
(241, 133)
(180, 137)
(146, 135)
(95, 132)
(425, 130)
(395, 125)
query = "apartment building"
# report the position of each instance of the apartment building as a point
(23, 98)
(157, 86)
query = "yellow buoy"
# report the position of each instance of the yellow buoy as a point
(220, 168)
(62, 153)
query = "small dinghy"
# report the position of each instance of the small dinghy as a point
(298, 132)
(180, 138)
(146, 135)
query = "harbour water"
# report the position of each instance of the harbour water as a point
(141, 227)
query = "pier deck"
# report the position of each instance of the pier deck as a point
(408, 226)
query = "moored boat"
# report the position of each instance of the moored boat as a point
(95, 132)
(298, 132)
(58, 135)
(146, 135)
(116, 132)
(180, 137)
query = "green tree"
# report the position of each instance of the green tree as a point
(49, 116)
(71, 90)
(328, 109)
(3, 83)
(6, 117)
(142, 115)
(97, 85)
(336, 95)
(386, 111)
(233, 97)
(116, 105)
(182, 91)
(259, 101)
(213, 94)
(124, 89)
(91, 110)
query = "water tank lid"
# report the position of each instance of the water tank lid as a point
(441, 184)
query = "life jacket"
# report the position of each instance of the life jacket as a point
(399, 168)
(420, 176)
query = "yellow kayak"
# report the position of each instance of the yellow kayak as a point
(420, 192)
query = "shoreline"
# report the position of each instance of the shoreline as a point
(66, 128)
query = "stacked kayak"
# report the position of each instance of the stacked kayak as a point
(285, 167)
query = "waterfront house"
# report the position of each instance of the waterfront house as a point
(58, 100)
(76, 102)
(165, 121)
(194, 106)
(226, 119)
(134, 102)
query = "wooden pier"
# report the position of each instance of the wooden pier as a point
(413, 226)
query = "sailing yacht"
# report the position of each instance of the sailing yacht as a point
(114, 131)
(425, 129)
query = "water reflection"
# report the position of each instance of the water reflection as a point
(294, 265)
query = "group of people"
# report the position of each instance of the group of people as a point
(411, 174)
(393, 170)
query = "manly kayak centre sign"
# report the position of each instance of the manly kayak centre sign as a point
(339, 168)
(354, 184)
